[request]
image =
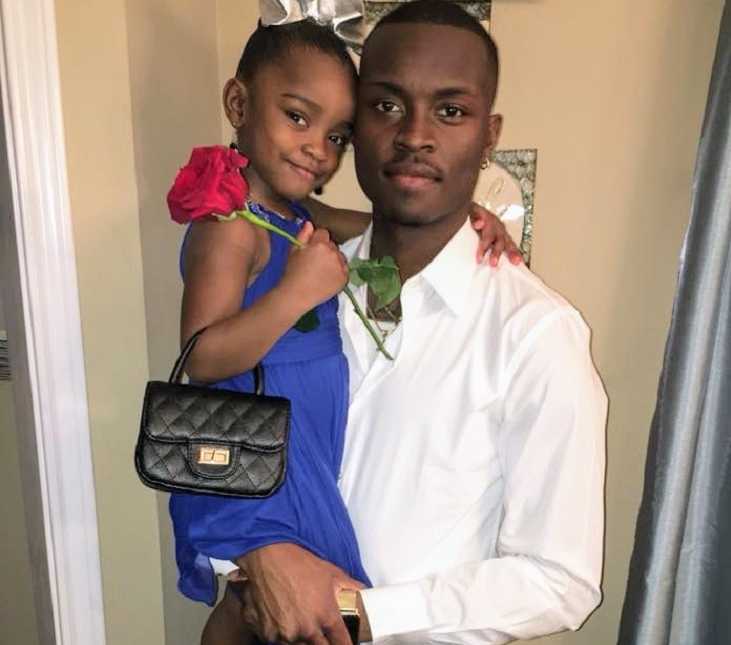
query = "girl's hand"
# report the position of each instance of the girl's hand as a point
(493, 237)
(316, 271)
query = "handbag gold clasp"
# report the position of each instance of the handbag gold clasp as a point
(213, 456)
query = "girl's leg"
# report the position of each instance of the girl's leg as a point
(225, 625)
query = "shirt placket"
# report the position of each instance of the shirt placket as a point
(376, 366)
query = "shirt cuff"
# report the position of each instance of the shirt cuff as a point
(395, 610)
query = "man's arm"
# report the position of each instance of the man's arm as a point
(344, 225)
(547, 573)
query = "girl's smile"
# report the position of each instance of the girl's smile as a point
(294, 119)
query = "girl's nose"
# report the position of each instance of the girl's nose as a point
(316, 149)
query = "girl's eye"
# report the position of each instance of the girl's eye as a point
(296, 118)
(451, 112)
(387, 106)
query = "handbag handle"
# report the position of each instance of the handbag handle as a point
(177, 374)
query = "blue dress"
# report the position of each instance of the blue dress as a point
(311, 371)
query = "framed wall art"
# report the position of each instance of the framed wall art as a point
(376, 9)
(507, 188)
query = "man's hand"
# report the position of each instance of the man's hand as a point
(290, 597)
(493, 237)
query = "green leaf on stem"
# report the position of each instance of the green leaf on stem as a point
(381, 276)
(366, 323)
(308, 322)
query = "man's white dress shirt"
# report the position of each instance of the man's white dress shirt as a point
(474, 462)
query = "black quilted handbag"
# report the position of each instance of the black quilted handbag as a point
(196, 439)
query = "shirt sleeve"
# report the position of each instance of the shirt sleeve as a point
(546, 574)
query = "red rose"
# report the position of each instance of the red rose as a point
(211, 184)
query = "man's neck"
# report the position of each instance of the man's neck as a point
(413, 247)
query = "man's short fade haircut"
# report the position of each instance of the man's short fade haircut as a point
(272, 44)
(443, 12)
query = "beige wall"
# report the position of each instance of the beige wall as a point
(175, 106)
(611, 93)
(152, 101)
(95, 87)
(235, 23)
(17, 608)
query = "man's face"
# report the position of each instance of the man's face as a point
(423, 123)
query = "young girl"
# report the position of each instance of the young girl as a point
(292, 104)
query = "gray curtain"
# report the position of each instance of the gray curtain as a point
(679, 589)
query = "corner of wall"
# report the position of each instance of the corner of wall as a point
(95, 92)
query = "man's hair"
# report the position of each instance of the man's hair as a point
(443, 12)
(274, 43)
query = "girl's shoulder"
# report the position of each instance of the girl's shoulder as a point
(221, 244)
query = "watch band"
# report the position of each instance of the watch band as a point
(348, 605)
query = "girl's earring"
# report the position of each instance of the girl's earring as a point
(319, 190)
(485, 163)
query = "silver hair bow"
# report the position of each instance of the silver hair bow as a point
(345, 17)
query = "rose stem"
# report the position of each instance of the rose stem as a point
(258, 221)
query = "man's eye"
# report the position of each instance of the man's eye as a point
(339, 140)
(451, 111)
(296, 118)
(387, 106)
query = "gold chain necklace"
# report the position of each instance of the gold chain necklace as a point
(390, 314)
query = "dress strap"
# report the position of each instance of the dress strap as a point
(300, 211)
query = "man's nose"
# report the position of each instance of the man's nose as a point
(416, 133)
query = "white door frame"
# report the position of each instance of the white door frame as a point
(38, 269)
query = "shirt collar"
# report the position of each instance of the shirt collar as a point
(449, 274)
(359, 247)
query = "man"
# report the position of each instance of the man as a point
(474, 462)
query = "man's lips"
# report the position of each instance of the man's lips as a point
(411, 176)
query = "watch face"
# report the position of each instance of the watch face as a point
(352, 624)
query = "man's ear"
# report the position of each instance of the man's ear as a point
(235, 102)
(494, 128)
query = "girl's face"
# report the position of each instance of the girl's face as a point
(296, 120)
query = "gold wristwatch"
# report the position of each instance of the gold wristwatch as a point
(348, 605)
